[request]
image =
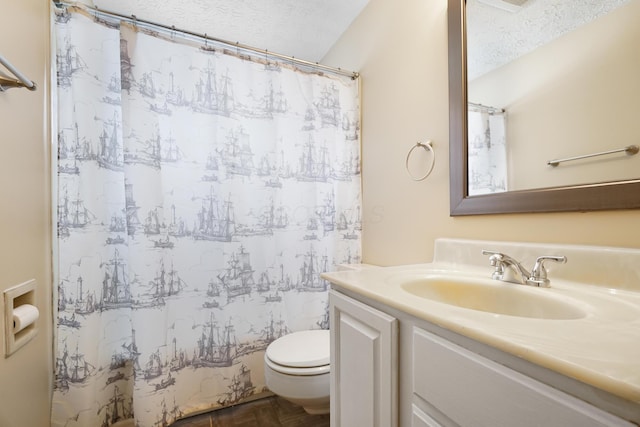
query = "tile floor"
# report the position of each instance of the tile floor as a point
(268, 412)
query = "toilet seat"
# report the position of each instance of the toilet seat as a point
(300, 353)
(288, 370)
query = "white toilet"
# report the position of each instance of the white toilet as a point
(297, 369)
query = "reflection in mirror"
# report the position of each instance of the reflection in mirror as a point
(540, 96)
(548, 80)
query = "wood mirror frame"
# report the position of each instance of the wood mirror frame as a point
(588, 197)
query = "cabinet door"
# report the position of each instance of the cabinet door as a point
(364, 364)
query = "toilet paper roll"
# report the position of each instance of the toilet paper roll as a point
(23, 316)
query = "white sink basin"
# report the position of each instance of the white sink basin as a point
(493, 297)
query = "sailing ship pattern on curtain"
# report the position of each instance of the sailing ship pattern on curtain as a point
(487, 151)
(200, 194)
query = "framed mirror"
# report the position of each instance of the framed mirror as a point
(608, 194)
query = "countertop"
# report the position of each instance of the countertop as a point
(601, 349)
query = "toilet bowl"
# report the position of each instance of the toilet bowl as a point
(297, 369)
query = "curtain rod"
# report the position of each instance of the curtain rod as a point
(486, 108)
(137, 21)
(22, 80)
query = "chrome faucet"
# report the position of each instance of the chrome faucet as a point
(508, 269)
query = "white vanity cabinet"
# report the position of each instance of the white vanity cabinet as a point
(364, 365)
(391, 369)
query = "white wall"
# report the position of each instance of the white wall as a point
(400, 49)
(25, 249)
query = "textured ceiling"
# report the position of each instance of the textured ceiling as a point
(305, 29)
(496, 37)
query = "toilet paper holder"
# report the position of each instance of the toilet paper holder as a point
(22, 295)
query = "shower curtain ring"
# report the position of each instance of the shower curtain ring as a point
(428, 146)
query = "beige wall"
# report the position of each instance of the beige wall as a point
(400, 49)
(399, 46)
(585, 102)
(25, 377)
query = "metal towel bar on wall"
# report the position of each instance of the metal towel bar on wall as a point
(22, 80)
(629, 149)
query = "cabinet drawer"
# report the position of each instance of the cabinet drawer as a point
(421, 419)
(474, 391)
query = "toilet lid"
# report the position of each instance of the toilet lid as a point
(304, 349)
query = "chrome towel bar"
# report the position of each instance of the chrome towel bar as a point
(629, 149)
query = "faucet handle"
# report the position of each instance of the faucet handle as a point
(539, 272)
(496, 259)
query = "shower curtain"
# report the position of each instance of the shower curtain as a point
(200, 192)
(487, 150)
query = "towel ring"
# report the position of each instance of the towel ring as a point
(428, 146)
